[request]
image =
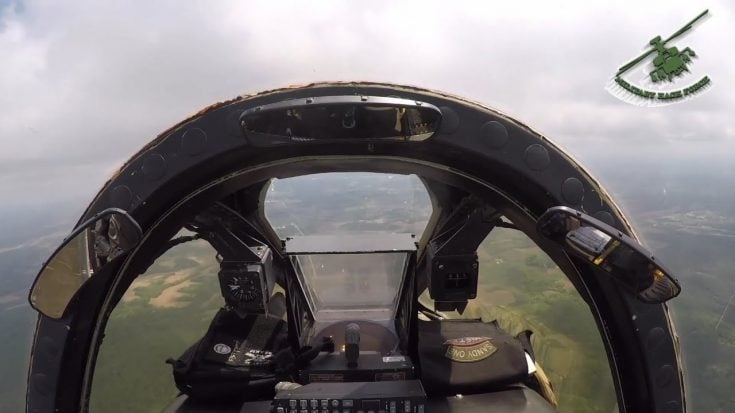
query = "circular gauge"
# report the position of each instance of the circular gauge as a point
(242, 288)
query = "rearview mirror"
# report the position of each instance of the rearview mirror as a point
(340, 118)
(84, 252)
(610, 250)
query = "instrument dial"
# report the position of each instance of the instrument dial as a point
(242, 288)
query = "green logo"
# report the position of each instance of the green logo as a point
(669, 65)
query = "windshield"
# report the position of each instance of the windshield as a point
(356, 274)
(352, 286)
(348, 203)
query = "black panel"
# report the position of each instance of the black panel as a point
(512, 400)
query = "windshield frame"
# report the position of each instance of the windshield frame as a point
(462, 154)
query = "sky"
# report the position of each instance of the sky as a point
(85, 84)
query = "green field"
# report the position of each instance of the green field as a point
(164, 312)
(170, 307)
(523, 289)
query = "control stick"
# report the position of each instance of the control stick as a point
(352, 344)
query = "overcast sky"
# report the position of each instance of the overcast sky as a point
(84, 84)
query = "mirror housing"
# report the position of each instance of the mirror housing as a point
(340, 118)
(83, 253)
(610, 250)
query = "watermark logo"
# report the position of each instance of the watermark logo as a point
(661, 85)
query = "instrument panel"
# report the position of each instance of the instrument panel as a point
(406, 396)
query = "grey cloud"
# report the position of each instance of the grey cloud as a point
(84, 85)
